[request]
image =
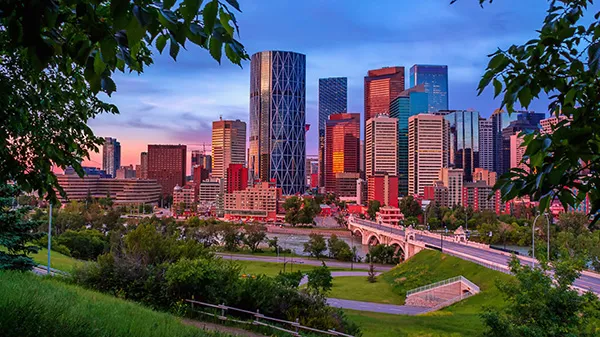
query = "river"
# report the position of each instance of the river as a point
(295, 242)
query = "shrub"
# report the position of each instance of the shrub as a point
(84, 244)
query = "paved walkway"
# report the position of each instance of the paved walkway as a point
(376, 307)
(341, 274)
(304, 260)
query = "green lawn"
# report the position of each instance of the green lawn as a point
(57, 260)
(33, 306)
(272, 268)
(359, 289)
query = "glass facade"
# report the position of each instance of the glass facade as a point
(410, 102)
(277, 119)
(464, 141)
(333, 99)
(435, 80)
(111, 156)
(343, 146)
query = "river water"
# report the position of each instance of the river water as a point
(295, 242)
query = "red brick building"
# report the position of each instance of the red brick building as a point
(167, 164)
(237, 178)
(384, 188)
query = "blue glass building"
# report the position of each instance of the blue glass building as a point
(277, 119)
(464, 140)
(411, 102)
(435, 80)
(333, 98)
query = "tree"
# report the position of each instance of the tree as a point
(292, 207)
(65, 52)
(255, 234)
(273, 243)
(309, 210)
(372, 276)
(84, 244)
(16, 232)
(373, 208)
(574, 222)
(339, 249)
(410, 207)
(231, 237)
(382, 254)
(320, 279)
(539, 305)
(316, 245)
(563, 62)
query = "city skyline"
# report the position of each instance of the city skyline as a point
(176, 102)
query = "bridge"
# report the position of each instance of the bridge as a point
(410, 241)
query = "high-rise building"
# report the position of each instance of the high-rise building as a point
(486, 145)
(427, 150)
(516, 152)
(381, 87)
(237, 178)
(167, 164)
(549, 124)
(125, 172)
(206, 162)
(312, 167)
(503, 126)
(228, 145)
(464, 141)
(259, 202)
(435, 80)
(411, 102)
(453, 179)
(486, 175)
(277, 119)
(196, 157)
(342, 146)
(199, 174)
(142, 172)
(381, 150)
(333, 99)
(111, 156)
(481, 197)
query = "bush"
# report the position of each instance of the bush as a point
(84, 244)
(290, 279)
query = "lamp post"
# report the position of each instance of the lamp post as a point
(49, 235)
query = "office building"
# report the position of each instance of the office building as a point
(141, 171)
(381, 87)
(196, 157)
(277, 119)
(464, 140)
(427, 150)
(209, 192)
(410, 102)
(111, 156)
(87, 171)
(437, 193)
(435, 80)
(125, 172)
(481, 197)
(549, 124)
(381, 150)
(485, 175)
(345, 186)
(342, 143)
(237, 178)
(517, 150)
(228, 145)
(503, 126)
(453, 179)
(333, 99)
(122, 191)
(167, 164)
(486, 146)
(259, 202)
(183, 196)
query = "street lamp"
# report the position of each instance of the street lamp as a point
(49, 235)
(548, 223)
(533, 243)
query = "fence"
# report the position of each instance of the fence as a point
(449, 302)
(258, 317)
(442, 283)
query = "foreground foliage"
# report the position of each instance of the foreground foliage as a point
(32, 306)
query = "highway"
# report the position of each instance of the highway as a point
(587, 280)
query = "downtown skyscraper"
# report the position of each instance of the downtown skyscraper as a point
(435, 80)
(381, 87)
(342, 153)
(333, 99)
(464, 140)
(228, 145)
(111, 156)
(278, 119)
(381, 163)
(167, 164)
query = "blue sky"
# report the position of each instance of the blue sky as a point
(176, 102)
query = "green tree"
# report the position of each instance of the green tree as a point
(232, 238)
(292, 207)
(373, 208)
(56, 56)
(410, 207)
(84, 244)
(309, 210)
(573, 222)
(339, 249)
(16, 231)
(539, 305)
(255, 234)
(316, 245)
(320, 279)
(382, 254)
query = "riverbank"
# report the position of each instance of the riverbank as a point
(340, 232)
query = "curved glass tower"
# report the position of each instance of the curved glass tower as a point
(277, 119)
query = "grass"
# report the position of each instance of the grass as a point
(460, 319)
(272, 268)
(36, 306)
(57, 260)
(359, 289)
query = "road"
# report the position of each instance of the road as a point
(376, 307)
(587, 281)
(304, 260)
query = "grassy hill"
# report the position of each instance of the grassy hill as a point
(460, 319)
(36, 306)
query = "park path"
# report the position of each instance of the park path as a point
(304, 260)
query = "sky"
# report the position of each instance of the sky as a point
(175, 102)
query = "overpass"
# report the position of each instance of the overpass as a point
(410, 241)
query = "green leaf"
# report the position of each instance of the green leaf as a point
(161, 42)
(570, 96)
(197, 35)
(594, 57)
(232, 55)
(209, 15)
(142, 15)
(497, 87)
(99, 65)
(174, 49)
(108, 85)
(168, 19)
(118, 11)
(190, 9)
(135, 31)
(224, 18)
(215, 48)
(525, 96)
(234, 4)
(497, 61)
(108, 48)
(167, 4)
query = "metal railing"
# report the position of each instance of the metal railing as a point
(258, 317)
(443, 283)
(449, 302)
